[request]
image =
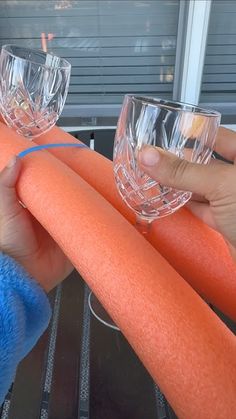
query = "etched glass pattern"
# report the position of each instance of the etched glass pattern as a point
(187, 131)
(33, 89)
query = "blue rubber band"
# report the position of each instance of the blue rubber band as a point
(45, 146)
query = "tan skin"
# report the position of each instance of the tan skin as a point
(213, 186)
(23, 238)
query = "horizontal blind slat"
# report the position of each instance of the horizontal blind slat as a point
(60, 44)
(219, 74)
(121, 79)
(113, 46)
(102, 99)
(219, 78)
(83, 8)
(116, 88)
(122, 71)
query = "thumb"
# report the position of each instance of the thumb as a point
(178, 173)
(9, 203)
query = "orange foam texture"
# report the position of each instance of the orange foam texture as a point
(182, 343)
(198, 253)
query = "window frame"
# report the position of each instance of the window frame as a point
(194, 17)
(192, 33)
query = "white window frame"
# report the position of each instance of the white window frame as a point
(194, 17)
(193, 25)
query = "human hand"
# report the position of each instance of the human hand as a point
(24, 239)
(213, 186)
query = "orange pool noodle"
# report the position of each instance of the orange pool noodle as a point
(197, 252)
(182, 343)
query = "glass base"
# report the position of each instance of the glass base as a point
(100, 313)
(143, 225)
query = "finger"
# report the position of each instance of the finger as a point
(215, 161)
(9, 204)
(172, 171)
(232, 250)
(10, 174)
(198, 198)
(226, 143)
(202, 211)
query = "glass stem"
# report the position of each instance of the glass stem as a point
(143, 225)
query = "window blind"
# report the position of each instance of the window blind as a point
(114, 46)
(219, 74)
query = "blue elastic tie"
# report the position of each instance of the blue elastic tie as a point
(45, 146)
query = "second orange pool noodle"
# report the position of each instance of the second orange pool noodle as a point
(197, 252)
(182, 343)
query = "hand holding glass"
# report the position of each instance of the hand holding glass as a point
(185, 130)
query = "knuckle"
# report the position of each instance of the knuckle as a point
(226, 183)
(178, 171)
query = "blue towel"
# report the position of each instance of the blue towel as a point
(24, 315)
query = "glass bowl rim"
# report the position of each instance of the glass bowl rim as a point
(171, 105)
(6, 48)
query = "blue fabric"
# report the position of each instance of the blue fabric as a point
(24, 315)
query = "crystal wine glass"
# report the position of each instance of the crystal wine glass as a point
(187, 131)
(33, 89)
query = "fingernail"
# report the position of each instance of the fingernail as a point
(11, 162)
(149, 156)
